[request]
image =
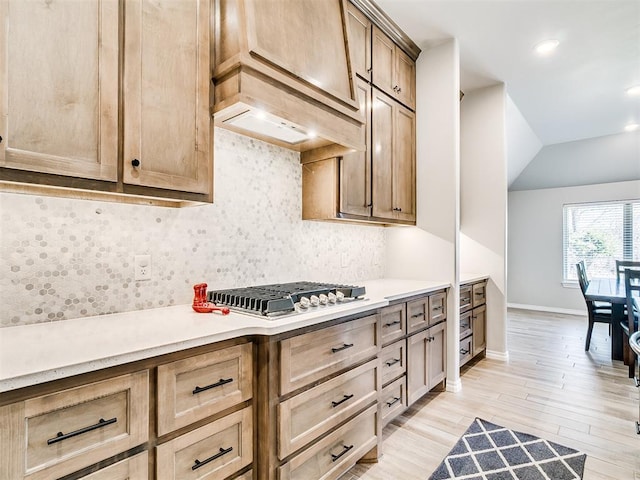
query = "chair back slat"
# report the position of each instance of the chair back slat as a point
(583, 280)
(622, 265)
(632, 289)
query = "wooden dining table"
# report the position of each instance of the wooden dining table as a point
(610, 290)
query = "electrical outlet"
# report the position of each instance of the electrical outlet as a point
(142, 266)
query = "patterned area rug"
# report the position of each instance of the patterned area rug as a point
(490, 452)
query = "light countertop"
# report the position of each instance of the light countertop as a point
(466, 278)
(33, 354)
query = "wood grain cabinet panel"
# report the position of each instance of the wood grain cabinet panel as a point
(393, 400)
(393, 361)
(437, 307)
(393, 71)
(359, 42)
(306, 416)
(465, 298)
(214, 451)
(311, 356)
(479, 325)
(479, 294)
(59, 88)
(166, 105)
(426, 361)
(133, 468)
(197, 387)
(417, 314)
(393, 323)
(53, 435)
(332, 456)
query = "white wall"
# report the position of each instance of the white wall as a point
(535, 242)
(522, 142)
(483, 203)
(429, 250)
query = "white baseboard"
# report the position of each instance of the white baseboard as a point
(540, 308)
(495, 355)
(454, 387)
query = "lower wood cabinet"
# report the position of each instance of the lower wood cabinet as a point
(332, 456)
(213, 451)
(473, 320)
(426, 361)
(393, 400)
(133, 468)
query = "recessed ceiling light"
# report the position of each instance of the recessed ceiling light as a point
(631, 127)
(633, 91)
(546, 47)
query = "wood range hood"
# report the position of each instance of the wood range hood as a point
(283, 74)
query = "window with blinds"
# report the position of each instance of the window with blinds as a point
(600, 234)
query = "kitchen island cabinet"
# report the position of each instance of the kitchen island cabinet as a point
(69, 126)
(229, 395)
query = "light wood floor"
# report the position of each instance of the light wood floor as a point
(550, 387)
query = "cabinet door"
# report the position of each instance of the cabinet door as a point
(405, 78)
(479, 325)
(417, 371)
(437, 354)
(382, 148)
(359, 42)
(167, 128)
(355, 168)
(383, 62)
(404, 164)
(59, 87)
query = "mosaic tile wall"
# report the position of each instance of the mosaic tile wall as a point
(64, 258)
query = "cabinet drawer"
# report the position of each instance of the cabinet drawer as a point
(465, 324)
(393, 400)
(393, 323)
(72, 429)
(479, 323)
(479, 294)
(311, 356)
(200, 386)
(213, 451)
(308, 415)
(465, 298)
(335, 453)
(466, 350)
(393, 361)
(437, 307)
(417, 314)
(134, 468)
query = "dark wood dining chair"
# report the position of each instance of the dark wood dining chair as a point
(630, 323)
(622, 265)
(598, 312)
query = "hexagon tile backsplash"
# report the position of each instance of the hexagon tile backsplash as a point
(64, 258)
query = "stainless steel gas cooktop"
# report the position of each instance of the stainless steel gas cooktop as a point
(285, 298)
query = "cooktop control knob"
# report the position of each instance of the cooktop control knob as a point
(340, 296)
(304, 302)
(332, 297)
(315, 301)
(323, 299)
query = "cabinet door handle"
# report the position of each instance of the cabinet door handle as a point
(63, 436)
(394, 401)
(463, 351)
(343, 347)
(223, 451)
(417, 315)
(391, 324)
(637, 380)
(344, 399)
(431, 339)
(392, 362)
(219, 383)
(397, 209)
(437, 309)
(0, 138)
(345, 449)
(399, 89)
(135, 163)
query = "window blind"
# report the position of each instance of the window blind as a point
(600, 234)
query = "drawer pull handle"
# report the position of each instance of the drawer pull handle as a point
(343, 347)
(344, 399)
(637, 380)
(463, 351)
(393, 402)
(63, 436)
(391, 324)
(417, 315)
(222, 381)
(345, 449)
(638, 428)
(392, 362)
(478, 294)
(223, 451)
(437, 309)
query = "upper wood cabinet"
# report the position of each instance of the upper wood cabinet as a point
(61, 99)
(166, 95)
(59, 87)
(393, 159)
(360, 42)
(393, 71)
(283, 73)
